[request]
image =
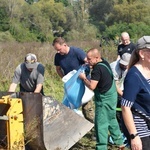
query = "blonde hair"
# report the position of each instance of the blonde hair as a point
(125, 34)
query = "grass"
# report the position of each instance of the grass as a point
(13, 54)
(87, 143)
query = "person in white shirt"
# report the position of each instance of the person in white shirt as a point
(119, 69)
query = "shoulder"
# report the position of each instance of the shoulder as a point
(120, 45)
(102, 65)
(40, 67)
(106, 63)
(132, 74)
(133, 70)
(132, 81)
(114, 64)
(57, 55)
(102, 69)
(76, 49)
(20, 67)
(132, 45)
(79, 53)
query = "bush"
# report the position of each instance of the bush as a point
(6, 36)
(88, 32)
(136, 30)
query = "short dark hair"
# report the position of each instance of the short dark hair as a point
(59, 40)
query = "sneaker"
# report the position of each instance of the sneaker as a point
(122, 147)
(93, 137)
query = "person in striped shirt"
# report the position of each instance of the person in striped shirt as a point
(135, 101)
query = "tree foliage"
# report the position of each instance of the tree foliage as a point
(42, 20)
(114, 17)
(65, 2)
(135, 12)
(135, 30)
(99, 11)
(4, 19)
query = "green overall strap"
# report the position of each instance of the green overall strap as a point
(106, 67)
(117, 109)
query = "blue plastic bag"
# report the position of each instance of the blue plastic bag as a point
(74, 90)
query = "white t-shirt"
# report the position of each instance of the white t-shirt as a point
(118, 73)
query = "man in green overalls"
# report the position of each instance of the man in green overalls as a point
(105, 98)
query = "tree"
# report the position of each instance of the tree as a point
(30, 1)
(4, 19)
(136, 30)
(135, 12)
(55, 12)
(99, 10)
(65, 2)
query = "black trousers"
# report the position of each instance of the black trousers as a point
(146, 143)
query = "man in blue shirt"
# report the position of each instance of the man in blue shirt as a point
(67, 59)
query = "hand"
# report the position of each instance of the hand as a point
(136, 143)
(82, 76)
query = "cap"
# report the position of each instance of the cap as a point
(124, 60)
(143, 42)
(31, 60)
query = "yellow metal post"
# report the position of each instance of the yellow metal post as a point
(15, 125)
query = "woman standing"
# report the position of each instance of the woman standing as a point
(136, 97)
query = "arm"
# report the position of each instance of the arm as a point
(16, 79)
(118, 53)
(59, 71)
(128, 119)
(38, 88)
(116, 70)
(118, 57)
(40, 78)
(131, 89)
(12, 87)
(91, 84)
(129, 122)
(119, 91)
